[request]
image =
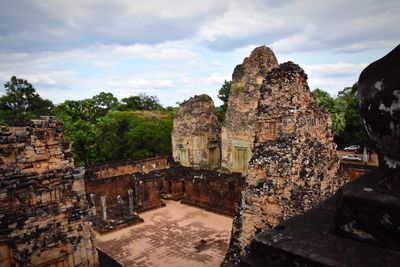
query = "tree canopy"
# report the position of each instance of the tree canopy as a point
(104, 129)
(101, 127)
(347, 125)
(223, 95)
(140, 102)
(22, 102)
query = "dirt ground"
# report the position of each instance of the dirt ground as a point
(176, 235)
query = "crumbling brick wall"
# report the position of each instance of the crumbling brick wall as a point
(209, 189)
(116, 178)
(294, 164)
(37, 147)
(214, 191)
(123, 167)
(42, 199)
(240, 118)
(196, 134)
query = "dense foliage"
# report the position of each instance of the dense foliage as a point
(104, 129)
(120, 135)
(223, 95)
(347, 125)
(21, 102)
(101, 128)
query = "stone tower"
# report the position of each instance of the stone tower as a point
(238, 128)
(196, 134)
(293, 165)
(42, 199)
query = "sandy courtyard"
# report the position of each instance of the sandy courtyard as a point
(176, 235)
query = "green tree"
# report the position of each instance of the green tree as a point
(133, 134)
(335, 111)
(140, 102)
(347, 126)
(354, 132)
(223, 95)
(105, 102)
(82, 133)
(87, 109)
(21, 102)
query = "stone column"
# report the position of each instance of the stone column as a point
(137, 193)
(93, 201)
(119, 200)
(365, 155)
(143, 169)
(130, 195)
(104, 207)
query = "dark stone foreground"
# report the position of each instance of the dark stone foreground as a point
(308, 240)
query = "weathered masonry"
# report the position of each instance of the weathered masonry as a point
(42, 199)
(360, 225)
(116, 193)
(238, 129)
(293, 164)
(209, 189)
(196, 140)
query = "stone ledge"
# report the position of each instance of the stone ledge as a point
(369, 212)
(308, 240)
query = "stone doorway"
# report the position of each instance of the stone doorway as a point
(184, 156)
(240, 159)
(213, 157)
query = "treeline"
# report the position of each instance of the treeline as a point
(347, 125)
(101, 128)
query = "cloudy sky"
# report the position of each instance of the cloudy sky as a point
(178, 48)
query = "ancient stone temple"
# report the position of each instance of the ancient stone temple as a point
(196, 134)
(240, 119)
(294, 164)
(358, 226)
(43, 204)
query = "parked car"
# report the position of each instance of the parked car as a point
(351, 157)
(354, 148)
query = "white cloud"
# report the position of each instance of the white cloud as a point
(182, 47)
(334, 70)
(332, 77)
(217, 79)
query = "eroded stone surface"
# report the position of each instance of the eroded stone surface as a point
(42, 199)
(308, 240)
(240, 118)
(36, 147)
(367, 213)
(196, 134)
(294, 164)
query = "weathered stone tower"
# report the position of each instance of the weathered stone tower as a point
(294, 164)
(240, 119)
(196, 134)
(42, 199)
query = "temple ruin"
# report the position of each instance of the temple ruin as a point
(357, 226)
(238, 129)
(275, 135)
(294, 164)
(268, 168)
(43, 202)
(196, 140)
